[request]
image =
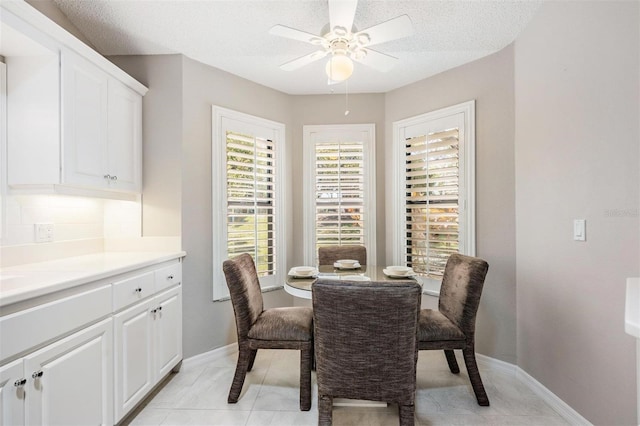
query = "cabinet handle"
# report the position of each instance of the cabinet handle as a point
(37, 374)
(19, 383)
(138, 290)
(107, 176)
(170, 277)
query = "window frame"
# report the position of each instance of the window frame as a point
(396, 222)
(253, 125)
(369, 171)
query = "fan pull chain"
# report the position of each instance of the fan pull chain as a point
(346, 97)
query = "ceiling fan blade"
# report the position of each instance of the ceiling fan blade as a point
(292, 33)
(379, 61)
(303, 60)
(392, 29)
(341, 13)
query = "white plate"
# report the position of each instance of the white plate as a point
(409, 275)
(339, 266)
(354, 278)
(293, 273)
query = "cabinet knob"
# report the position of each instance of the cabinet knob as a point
(159, 308)
(138, 290)
(170, 277)
(107, 176)
(37, 374)
(153, 311)
(20, 382)
(114, 178)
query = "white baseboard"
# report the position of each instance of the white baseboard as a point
(212, 355)
(568, 413)
(561, 407)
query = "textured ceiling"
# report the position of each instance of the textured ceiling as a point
(233, 35)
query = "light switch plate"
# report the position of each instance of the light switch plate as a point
(579, 230)
(44, 232)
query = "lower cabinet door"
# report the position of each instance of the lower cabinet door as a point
(134, 356)
(168, 333)
(70, 381)
(12, 382)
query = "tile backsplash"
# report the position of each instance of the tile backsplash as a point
(73, 218)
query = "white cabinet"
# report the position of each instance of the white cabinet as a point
(74, 119)
(12, 394)
(90, 356)
(102, 136)
(84, 112)
(124, 138)
(70, 382)
(65, 383)
(148, 336)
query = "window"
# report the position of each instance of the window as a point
(339, 187)
(434, 189)
(247, 197)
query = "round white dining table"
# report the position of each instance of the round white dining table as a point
(301, 287)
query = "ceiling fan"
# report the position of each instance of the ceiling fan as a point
(344, 43)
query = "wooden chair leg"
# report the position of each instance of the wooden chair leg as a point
(474, 375)
(252, 358)
(241, 371)
(325, 410)
(306, 359)
(407, 414)
(451, 360)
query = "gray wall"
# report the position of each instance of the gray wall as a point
(329, 109)
(490, 82)
(577, 157)
(208, 324)
(162, 147)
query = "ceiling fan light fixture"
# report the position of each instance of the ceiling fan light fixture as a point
(339, 67)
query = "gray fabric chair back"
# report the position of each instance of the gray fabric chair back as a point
(328, 255)
(461, 290)
(365, 339)
(244, 288)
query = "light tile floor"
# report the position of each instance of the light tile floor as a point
(197, 395)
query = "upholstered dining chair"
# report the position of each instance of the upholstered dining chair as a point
(453, 325)
(365, 336)
(328, 255)
(259, 328)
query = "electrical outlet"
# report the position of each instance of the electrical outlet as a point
(44, 232)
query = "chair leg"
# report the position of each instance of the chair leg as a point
(451, 360)
(325, 410)
(407, 415)
(474, 375)
(244, 354)
(252, 358)
(306, 356)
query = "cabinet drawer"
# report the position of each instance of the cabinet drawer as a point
(131, 290)
(168, 276)
(35, 326)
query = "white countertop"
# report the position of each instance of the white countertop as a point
(22, 282)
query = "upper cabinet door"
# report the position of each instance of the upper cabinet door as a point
(124, 138)
(84, 93)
